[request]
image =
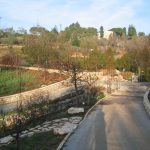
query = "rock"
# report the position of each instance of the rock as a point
(117, 72)
(23, 135)
(6, 140)
(64, 119)
(65, 129)
(75, 120)
(30, 134)
(45, 126)
(47, 123)
(14, 134)
(38, 126)
(24, 132)
(56, 120)
(75, 110)
(43, 86)
(55, 124)
(61, 123)
(45, 129)
(31, 129)
(36, 131)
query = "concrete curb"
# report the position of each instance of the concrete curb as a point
(146, 102)
(87, 113)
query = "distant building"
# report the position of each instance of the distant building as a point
(107, 34)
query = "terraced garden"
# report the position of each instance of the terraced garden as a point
(14, 80)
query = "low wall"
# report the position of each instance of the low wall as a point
(63, 103)
(33, 93)
(146, 102)
(33, 68)
(60, 104)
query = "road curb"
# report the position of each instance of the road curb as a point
(146, 102)
(87, 113)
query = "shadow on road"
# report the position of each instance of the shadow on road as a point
(89, 136)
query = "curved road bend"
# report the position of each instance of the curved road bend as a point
(119, 123)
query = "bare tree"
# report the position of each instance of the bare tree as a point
(3, 121)
(18, 124)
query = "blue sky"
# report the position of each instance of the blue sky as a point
(48, 13)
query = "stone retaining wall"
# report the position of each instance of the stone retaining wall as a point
(146, 102)
(65, 102)
(31, 94)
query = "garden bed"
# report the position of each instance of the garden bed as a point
(41, 141)
(45, 140)
(13, 81)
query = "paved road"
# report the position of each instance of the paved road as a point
(119, 123)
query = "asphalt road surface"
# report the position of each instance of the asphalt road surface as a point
(118, 123)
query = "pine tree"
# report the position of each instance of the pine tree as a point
(132, 31)
(101, 31)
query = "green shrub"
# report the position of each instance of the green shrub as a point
(12, 82)
(100, 96)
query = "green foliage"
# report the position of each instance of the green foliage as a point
(119, 31)
(55, 30)
(75, 40)
(109, 59)
(37, 49)
(145, 63)
(132, 31)
(12, 81)
(100, 96)
(125, 31)
(41, 141)
(101, 31)
(136, 61)
(141, 34)
(37, 30)
(1, 33)
(96, 60)
(126, 63)
(88, 43)
(75, 32)
(90, 31)
(10, 37)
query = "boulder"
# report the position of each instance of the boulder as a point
(46, 125)
(30, 134)
(38, 126)
(75, 110)
(23, 135)
(65, 129)
(24, 132)
(45, 129)
(43, 86)
(6, 140)
(75, 120)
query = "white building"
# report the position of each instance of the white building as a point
(107, 34)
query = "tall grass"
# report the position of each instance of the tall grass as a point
(13, 81)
